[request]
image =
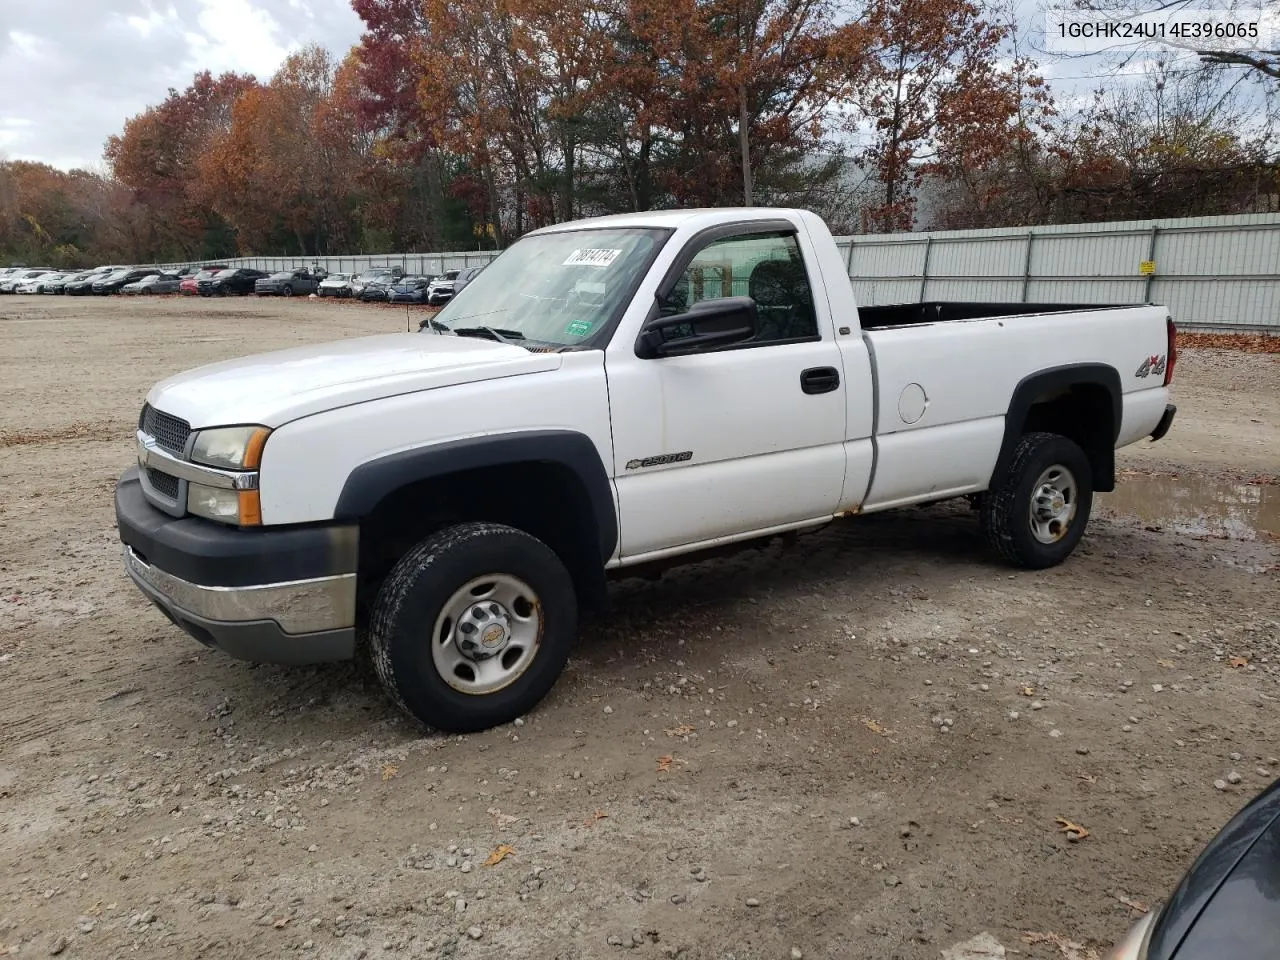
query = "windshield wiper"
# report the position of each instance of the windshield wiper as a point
(493, 333)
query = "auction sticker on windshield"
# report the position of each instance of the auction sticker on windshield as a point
(591, 258)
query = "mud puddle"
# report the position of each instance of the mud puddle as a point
(1198, 506)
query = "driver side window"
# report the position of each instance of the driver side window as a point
(768, 267)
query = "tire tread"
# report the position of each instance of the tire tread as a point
(1000, 508)
(405, 576)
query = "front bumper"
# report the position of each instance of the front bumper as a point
(267, 596)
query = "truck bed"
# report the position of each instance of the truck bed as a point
(944, 311)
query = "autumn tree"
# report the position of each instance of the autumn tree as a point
(933, 75)
(999, 147)
(286, 169)
(777, 67)
(58, 218)
(157, 156)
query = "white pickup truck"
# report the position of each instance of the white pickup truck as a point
(609, 394)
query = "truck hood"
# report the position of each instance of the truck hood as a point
(274, 388)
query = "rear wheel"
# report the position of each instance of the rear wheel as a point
(473, 626)
(1035, 513)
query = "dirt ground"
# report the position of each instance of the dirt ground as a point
(859, 746)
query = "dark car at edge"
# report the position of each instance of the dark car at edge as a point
(1227, 905)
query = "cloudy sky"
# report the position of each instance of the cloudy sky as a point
(71, 71)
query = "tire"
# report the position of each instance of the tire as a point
(423, 599)
(288, 291)
(1040, 461)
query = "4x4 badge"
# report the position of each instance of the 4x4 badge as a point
(1151, 365)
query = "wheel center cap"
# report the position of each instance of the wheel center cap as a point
(493, 636)
(1059, 502)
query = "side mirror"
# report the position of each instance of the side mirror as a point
(713, 323)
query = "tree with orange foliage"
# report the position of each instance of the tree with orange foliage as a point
(283, 172)
(157, 155)
(52, 217)
(932, 76)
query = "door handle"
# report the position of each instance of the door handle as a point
(819, 379)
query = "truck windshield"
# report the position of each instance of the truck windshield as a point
(555, 288)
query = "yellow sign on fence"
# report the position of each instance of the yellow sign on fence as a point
(1147, 267)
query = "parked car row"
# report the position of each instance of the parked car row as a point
(393, 285)
(100, 280)
(377, 284)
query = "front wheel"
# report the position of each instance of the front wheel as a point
(288, 291)
(1035, 512)
(473, 626)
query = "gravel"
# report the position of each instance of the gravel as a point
(103, 694)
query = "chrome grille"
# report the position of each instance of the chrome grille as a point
(170, 432)
(164, 484)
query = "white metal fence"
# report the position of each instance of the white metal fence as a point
(1212, 272)
(1215, 272)
(417, 264)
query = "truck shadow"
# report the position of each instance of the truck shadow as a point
(851, 565)
(846, 560)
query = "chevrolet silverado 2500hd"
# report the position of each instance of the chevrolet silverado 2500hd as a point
(607, 394)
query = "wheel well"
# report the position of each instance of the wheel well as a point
(1083, 412)
(545, 499)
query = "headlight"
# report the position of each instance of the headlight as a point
(230, 448)
(213, 502)
(241, 507)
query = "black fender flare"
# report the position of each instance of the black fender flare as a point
(1050, 380)
(370, 482)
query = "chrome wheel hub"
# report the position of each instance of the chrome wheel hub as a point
(1053, 504)
(487, 634)
(484, 630)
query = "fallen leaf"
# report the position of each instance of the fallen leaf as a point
(281, 923)
(500, 819)
(1239, 661)
(1070, 828)
(501, 853)
(982, 947)
(389, 771)
(1070, 949)
(1133, 904)
(1165, 663)
(664, 764)
(1028, 691)
(681, 731)
(1087, 778)
(875, 726)
(598, 815)
(96, 909)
